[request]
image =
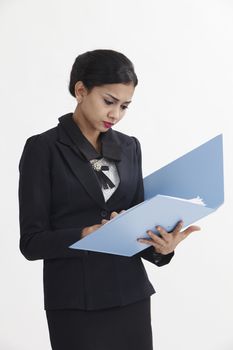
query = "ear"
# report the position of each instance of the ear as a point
(80, 91)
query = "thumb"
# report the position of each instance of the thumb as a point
(190, 229)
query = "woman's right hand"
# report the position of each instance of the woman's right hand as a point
(89, 229)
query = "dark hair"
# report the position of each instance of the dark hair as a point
(99, 67)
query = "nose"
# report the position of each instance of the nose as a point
(114, 114)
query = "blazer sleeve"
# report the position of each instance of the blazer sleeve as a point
(149, 253)
(37, 239)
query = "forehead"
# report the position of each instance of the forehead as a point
(122, 92)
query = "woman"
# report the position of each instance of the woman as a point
(73, 179)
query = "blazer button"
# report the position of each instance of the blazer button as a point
(104, 213)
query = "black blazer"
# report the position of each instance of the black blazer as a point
(59, 195)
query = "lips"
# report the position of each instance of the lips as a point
(108, 125)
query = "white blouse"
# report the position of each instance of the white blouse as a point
(112, 174)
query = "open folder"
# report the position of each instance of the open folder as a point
(189, 188)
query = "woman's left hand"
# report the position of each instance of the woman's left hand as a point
(167, 242)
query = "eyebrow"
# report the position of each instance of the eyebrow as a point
(116, 99)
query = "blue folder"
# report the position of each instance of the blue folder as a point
(168, 191)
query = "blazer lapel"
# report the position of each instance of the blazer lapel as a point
(83, 171)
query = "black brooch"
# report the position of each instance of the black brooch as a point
(103, 179)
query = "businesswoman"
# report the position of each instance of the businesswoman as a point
(75, 177)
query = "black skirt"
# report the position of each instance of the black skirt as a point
(117, 328)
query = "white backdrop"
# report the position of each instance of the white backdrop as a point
(183, 56)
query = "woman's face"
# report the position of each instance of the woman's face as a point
(104, 106)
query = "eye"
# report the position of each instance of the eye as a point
(110, 103)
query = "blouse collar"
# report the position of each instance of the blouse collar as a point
(110, 149)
